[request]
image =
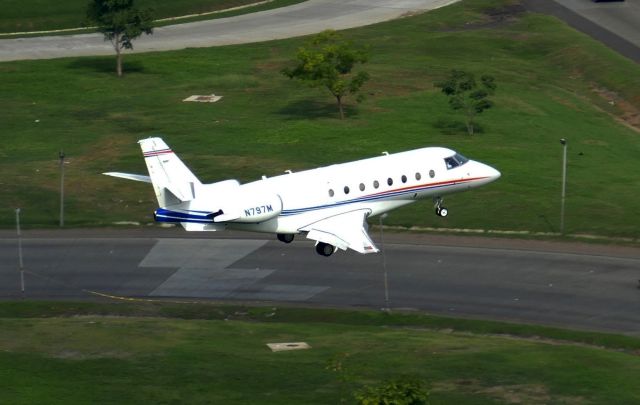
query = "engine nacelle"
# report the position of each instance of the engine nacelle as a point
(248, 207)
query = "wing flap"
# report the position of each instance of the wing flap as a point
(344, 231)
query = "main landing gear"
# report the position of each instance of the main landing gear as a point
(285, 237)
(325, 249)
(440, 210)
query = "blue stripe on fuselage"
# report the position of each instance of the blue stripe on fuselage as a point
(165, 215)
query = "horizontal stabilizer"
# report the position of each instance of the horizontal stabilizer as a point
(193, 227)
(226, 218)
(129, 176)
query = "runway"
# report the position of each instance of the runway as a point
(571, 285)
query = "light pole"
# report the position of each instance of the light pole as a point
(563, 142)
(61, 156)
(20, 264)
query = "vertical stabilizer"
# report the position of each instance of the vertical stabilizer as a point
(172, 181)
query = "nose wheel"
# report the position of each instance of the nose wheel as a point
(440, 210)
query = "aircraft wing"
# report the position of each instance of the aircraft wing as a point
(346, 230)
(128, 176)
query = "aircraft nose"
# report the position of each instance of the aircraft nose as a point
(493, 174)
(486, 174)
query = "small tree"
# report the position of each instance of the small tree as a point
(327, 61)
(397, 392)
(465, 94)
(121, 23)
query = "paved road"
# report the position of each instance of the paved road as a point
(301, 19)
(616, 24)
(581, 286)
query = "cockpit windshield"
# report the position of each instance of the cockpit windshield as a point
(455, 161)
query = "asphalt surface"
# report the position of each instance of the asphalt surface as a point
(305, 18)
(615, 24)
(571, 285)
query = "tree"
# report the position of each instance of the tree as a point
(396, 392)
(328, 61)
(120, 22)
(465, 94)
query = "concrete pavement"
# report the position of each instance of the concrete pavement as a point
(615, 24)
(300, 19)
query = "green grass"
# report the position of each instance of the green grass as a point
(38, 15)
(265, 124)
(199, 353)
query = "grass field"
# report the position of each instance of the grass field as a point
(38, 15)
(552, 83)
(198, 353)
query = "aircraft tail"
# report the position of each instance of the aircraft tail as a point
(172, 180)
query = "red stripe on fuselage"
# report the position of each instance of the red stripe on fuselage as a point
(426, 185)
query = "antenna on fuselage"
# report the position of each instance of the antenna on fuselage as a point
(385, 153)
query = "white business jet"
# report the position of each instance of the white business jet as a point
(329, 205)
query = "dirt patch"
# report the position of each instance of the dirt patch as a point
(77, 355)
(531, 339)
(629, 113)
(494, 18)
(506, 12)
(511, 394)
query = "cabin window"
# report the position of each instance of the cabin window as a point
(418, 176)
(376, 184)
(451, 163)
(361, 186)
(404, 178)
(432, 174)
(346, 189)
(331, 193)
(390, 181)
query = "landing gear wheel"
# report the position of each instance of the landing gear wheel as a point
(325, 249)
(440, 210)
(285, 237)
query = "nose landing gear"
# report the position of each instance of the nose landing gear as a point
(440, 210)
